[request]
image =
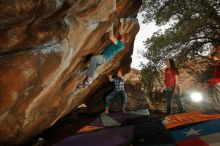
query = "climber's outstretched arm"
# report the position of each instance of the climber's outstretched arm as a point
(121, 27)
(112, 37)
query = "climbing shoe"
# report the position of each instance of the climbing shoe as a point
(84, 84)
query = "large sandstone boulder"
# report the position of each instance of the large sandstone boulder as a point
(43, 45)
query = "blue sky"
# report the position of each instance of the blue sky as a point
(146, 31)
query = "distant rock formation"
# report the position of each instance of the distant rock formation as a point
(43, 45)
(192, 76)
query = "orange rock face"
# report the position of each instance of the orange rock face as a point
(43, 45)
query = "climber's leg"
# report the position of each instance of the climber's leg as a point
(91, 72)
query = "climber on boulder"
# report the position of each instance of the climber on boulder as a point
(118, 91)
(103, 58)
